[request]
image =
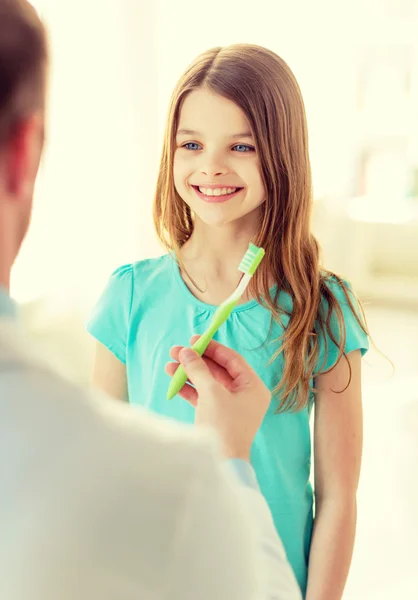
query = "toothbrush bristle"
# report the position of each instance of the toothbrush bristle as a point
(251, 260)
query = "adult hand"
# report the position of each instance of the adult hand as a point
(228, 394)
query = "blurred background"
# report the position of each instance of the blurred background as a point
(114, 64)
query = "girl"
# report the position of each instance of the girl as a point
(234, 169)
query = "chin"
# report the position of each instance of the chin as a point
(215, 222)
(217, 219)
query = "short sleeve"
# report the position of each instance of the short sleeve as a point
(356, 337)
(109, 321)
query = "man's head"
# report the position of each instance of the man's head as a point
(23, 66)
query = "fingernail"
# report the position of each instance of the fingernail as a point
(187, 355)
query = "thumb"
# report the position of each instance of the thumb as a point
(197, 370)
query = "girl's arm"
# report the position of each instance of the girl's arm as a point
(109, 373)
(338, 438)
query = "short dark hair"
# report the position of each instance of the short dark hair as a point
(23, 63)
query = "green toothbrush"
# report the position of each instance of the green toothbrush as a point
(248, 266)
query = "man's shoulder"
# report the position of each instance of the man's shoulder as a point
(90, 436)
(102, 481)
(67, 418)
(110, 422)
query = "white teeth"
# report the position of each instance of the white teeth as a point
(217, 191)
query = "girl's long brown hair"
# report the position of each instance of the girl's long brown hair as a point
(265, 89)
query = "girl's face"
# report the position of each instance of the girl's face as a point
(216, 166)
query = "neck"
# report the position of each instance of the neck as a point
(219, 249)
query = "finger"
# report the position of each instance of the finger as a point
(235, 365)
(198, 371)
(171, 367)
(219, 373)
(189, 394)
(175, 351)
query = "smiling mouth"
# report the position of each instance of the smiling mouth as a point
(217, 193)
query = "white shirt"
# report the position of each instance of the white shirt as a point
(99, 501)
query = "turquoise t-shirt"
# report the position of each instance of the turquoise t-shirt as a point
(146, 308)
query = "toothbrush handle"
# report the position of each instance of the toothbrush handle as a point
(180, 376)
(203, 342)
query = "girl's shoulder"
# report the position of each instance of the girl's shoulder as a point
(135, 282)
(341, 320)
(152, 269)
(335, 284)
(337, 290)
(338, 296)
(143, 272)
(130, 287)
(333, 290)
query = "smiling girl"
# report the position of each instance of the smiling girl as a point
(235, 169)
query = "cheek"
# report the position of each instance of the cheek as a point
(181, 171)
(260, 183)
(261, 186)
(255, 182)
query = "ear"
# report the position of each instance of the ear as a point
(23, 155)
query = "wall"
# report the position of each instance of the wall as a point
(114, 66)
(92, 210)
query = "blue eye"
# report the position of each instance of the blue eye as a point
(243, 148)
(191, 146)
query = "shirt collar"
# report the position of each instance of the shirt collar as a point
(7, 306)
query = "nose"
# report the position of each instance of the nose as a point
(213, 167)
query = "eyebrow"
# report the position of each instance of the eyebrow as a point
(246, 134)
